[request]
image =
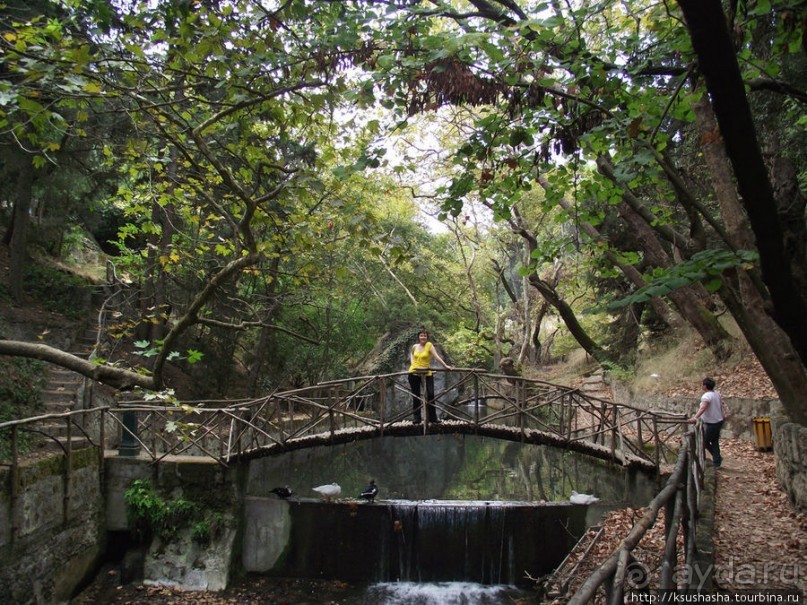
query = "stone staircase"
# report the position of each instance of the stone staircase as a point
(63, 392)
(597, 386)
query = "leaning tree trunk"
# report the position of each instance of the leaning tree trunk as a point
(782, 267)
(687, 303)
(746, 298)
(569, 318)
(687, 300)
(552, 297)
(662, 309)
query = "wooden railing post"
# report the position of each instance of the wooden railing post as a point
(476, 402)
(333, 400)
(68, 471)
(382, 404)
(521, 398)
(639, 436)
(672, 523)
(129, 446)
(657, 439)
(562, 414)
(101, 445)
(15, 483)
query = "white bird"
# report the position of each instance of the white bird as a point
(582, 498)
(328, 491)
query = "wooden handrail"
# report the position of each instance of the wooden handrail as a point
(280, 418)
(686, 474)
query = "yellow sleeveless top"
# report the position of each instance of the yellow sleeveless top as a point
(421, 360)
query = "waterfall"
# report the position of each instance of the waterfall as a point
(488, 543)
(482, 542)
(436, 542)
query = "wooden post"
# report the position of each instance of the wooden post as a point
(617, 587)
(382, 404)
(15, 482)
(613, 433)
(101, 445)
(521, 391)
(222, 419)
(424, 396)
(68, 470)
(657, 456)
(572, 417)
(332, 404)
(155, 442)
(639, 437)
(671, 522)
(476, 403)
(562, 415)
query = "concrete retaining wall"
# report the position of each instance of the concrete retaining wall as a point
(789, 439)
(55, 535)
(739, 425)
(182, 561)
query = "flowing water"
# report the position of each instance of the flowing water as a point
(458, 519)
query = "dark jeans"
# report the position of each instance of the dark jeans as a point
(414, 385)
(711, 440)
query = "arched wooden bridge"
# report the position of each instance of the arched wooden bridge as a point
(474, 402)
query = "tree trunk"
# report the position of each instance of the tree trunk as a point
(18, 242)
(569, 318)
(551, 296)
(688, 299)
(747, 301)
(781, 266)
(661, 308)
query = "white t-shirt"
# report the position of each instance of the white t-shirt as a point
(713, 411)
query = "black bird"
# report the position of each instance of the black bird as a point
(370, 492)
(282, 492)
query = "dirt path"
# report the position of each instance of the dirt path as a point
(760, 539)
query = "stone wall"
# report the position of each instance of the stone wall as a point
(54, 537)
(790, 445)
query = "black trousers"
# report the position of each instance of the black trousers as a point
(415, 386)
(711, 440)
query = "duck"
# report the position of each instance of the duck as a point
(281, 492)
(370, 492)
(331, 490)
(582, 498)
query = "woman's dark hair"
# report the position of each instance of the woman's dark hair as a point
(708, 383)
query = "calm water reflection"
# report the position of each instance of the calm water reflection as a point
(451, 467)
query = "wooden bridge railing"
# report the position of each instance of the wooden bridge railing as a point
(323, 413)
(374, 404)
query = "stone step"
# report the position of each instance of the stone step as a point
(58, 395)
(59, 444)
(65, 377)
(54, 428)
(62, 385)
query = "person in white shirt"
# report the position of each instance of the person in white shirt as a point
(711, 413)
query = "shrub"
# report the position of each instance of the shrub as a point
(151, 515)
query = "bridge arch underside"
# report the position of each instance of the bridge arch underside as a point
(406, 429)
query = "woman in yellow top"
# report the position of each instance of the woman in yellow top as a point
(420, 361)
